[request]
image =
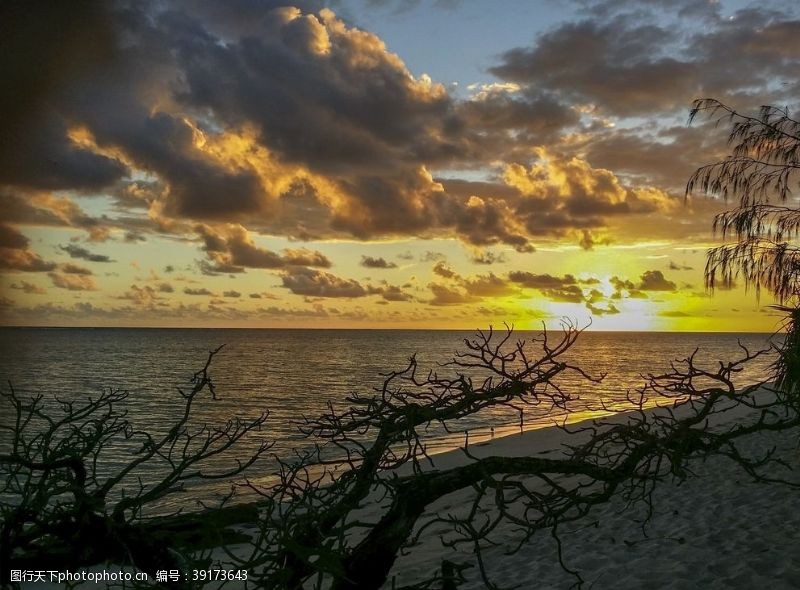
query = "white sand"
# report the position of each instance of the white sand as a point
(716, 530)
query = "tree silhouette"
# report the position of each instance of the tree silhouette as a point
(364, 490)
(66, 503)
(760, 172)
(344, 511)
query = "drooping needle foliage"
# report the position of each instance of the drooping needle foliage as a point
(761, 232)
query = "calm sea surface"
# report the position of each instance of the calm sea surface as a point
(293, 373)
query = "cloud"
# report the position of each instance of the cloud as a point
(564, 194)
(441, 269)
(11, 238)
(200, 291)
(488, 257)
(231, 249)
(317, 283)
(489, 285)
(541, 281)
(288, 312)
(431, 256)
(534, 118)
(28, 288)
(74, 269)
(654, 280)
(674, 314)
(615, 65)
(52, 36)
(305, 257)
(394, 293)
(145, 296)
(76, 251)
(371, 262)
(15, 259)
(567, 294)
(635, 62)
(14, 253)
(341, 145)
(47, 209)
(445, 295)
(611, 309)
(234, 294)
(468, 289)
(675, 266)
(264, 295)
(239, 122)
(73, 282)
(721, 284)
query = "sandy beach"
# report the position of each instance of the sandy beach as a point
(717, 529)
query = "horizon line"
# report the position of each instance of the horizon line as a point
(387, 329)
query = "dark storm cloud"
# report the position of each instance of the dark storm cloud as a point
(58, 163)
(234, 19)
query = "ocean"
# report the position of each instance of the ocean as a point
(296, 373)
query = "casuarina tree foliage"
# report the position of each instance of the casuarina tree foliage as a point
(761, 232)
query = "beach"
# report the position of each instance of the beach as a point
(716, 529)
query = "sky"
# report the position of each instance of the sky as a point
(375, 163)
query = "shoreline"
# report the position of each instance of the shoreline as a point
(716, 529)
